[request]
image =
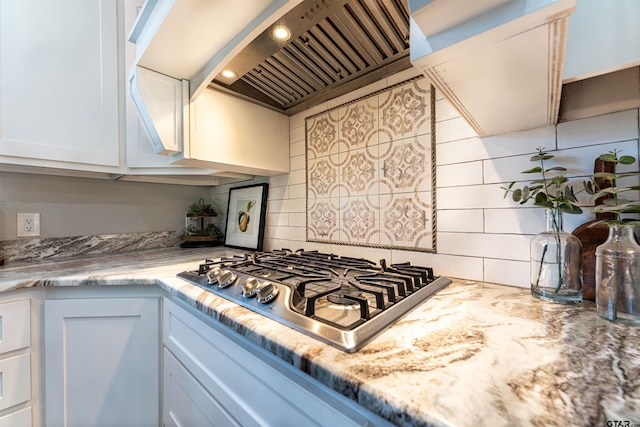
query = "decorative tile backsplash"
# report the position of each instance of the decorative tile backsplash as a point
(370, 170)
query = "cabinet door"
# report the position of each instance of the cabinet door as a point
(187, 402)
(59, 74)
(15, 325)
(101, 362)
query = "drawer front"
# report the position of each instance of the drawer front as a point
(15, 325)
(20, 418)
(15, 380)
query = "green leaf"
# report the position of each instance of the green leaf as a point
(556, 168)
(517, 195)
(559, 180)
(608, 158)
(588, 187)
(525, 193)
(605, 175)
(541, 156)
(626, 160)
(537, 169)
(570, 195)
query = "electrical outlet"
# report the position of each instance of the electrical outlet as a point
(28, 224)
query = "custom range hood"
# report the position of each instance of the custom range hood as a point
(183, 46)
(499, 62)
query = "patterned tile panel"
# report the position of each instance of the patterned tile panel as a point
(369, 171)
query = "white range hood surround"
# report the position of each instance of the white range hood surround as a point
(181, 45)
(194, 39)
(499, 63)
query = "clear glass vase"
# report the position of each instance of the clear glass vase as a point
(618, 276)
(556, 263)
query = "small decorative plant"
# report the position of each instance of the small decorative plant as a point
(615, 199)
(551, 190)
(198, 225)
(617, 275)
(202, 209)
(555, 255)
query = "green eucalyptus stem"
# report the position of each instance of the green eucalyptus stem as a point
(544, 252)
(556, 232)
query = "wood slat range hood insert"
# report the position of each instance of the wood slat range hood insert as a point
(336, 46)
(498, 62)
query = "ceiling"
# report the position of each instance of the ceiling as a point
(337, 46)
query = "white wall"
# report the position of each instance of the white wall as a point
(72, 207)
(481, 236)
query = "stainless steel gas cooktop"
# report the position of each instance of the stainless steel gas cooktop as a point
(342, 301)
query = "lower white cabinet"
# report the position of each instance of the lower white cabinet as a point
(214, 377)
(15, 363)
(101, 362)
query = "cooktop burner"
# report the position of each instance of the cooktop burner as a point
(342, 301)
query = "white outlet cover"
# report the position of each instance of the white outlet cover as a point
(34, 230)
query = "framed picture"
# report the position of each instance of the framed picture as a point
(246, 214)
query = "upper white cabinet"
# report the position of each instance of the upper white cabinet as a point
(60, 85)
(231, 134)
(180, 46)
(604, 36)
(499, 62)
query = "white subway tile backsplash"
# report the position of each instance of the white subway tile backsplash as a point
(297, 163)
(481, 235)
(502, 246)
(297, 191)
(472, 197)
(607, 128)
(463, 150)
(578, 161)
(452, 130)
(466, 220)
(298, 219)
(297, 135)
(445, 111)
(459, 174)
(297, 148)
(278, 193)
(277, 219)
(443, 265)
(513, 273)
(515, 143)
(514, 221)
(297, 177)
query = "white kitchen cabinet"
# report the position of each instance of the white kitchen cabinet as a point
(498, 62)
(231, 134)
(60, 85)
(15, 363)
(214, 377)
(614, 46)
(101, 362)
(143, 162)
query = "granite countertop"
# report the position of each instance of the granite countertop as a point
(473, 354)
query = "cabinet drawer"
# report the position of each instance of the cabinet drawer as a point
(15, 325)
(187, 402)
(15, 380)
(253, 387)
(20, 418)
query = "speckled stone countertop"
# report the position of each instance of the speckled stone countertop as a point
(475, 354)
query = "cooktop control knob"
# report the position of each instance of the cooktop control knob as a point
(266, 292)
(226, 278)
(212, 275)
(250, 287)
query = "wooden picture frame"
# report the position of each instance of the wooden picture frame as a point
(246, 213)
